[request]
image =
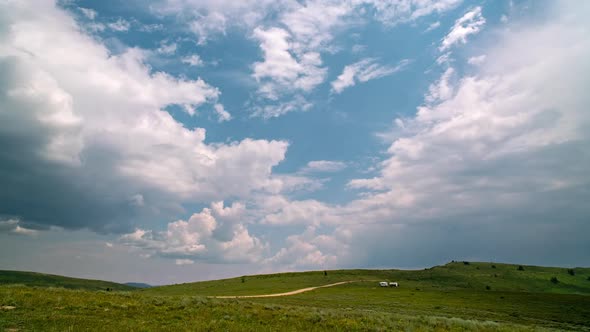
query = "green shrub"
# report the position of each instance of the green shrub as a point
(520, 268)
(493, 266)
(571, 272)
(554, 280)
(488, 287)
(465, 263)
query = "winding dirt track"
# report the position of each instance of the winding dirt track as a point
(298, 291)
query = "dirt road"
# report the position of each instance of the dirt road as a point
(298, 291)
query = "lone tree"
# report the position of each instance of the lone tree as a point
(520, 268)
(554, 280)
(571, 272)
(243, 279)
(325, 273)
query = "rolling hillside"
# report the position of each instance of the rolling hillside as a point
(50, 280)
(494, 292)
(458, 296)
(453, 276)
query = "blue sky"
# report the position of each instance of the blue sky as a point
(178, 140)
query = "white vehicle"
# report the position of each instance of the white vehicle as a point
(393, 284)
(383, 284)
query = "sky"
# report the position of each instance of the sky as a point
(169, 141)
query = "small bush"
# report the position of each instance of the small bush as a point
(465, 263)
(325, 273)
(243, 279)
(520, 268)
(488, 287)
(554, 280)
(588, 278)
(493, 266)
(571, 272)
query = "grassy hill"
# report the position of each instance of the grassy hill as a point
(449, 277)
(467, 290)
(455, 297)
(49, 280)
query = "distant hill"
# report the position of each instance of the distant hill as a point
(50, 280)
(475, 276)
(138, 285)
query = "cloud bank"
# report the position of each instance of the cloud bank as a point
(90, 130)
(493, 164)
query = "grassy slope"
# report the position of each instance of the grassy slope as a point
(445, 298)
(452, 290)
(54, 309)
(453, 276)
(545, 309)
(49, 280)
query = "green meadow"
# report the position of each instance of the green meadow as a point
(455, 297)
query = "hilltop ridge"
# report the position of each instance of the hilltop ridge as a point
(36, 279)
(451, 276)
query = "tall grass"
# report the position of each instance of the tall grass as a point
(69, 310)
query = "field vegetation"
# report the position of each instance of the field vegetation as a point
(453, 297)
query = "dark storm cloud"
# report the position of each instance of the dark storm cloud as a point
(43, 193)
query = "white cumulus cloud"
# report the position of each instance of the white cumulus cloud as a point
(215, 234)
(99, 117)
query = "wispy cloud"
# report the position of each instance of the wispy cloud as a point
(222, 114)
(364, 71)
(120, 25)
(89, 13)
(322, 166)
(167, 48)
(193, 60)
(14, 226)
(469, 24)
(433, 26)
(477, 60)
